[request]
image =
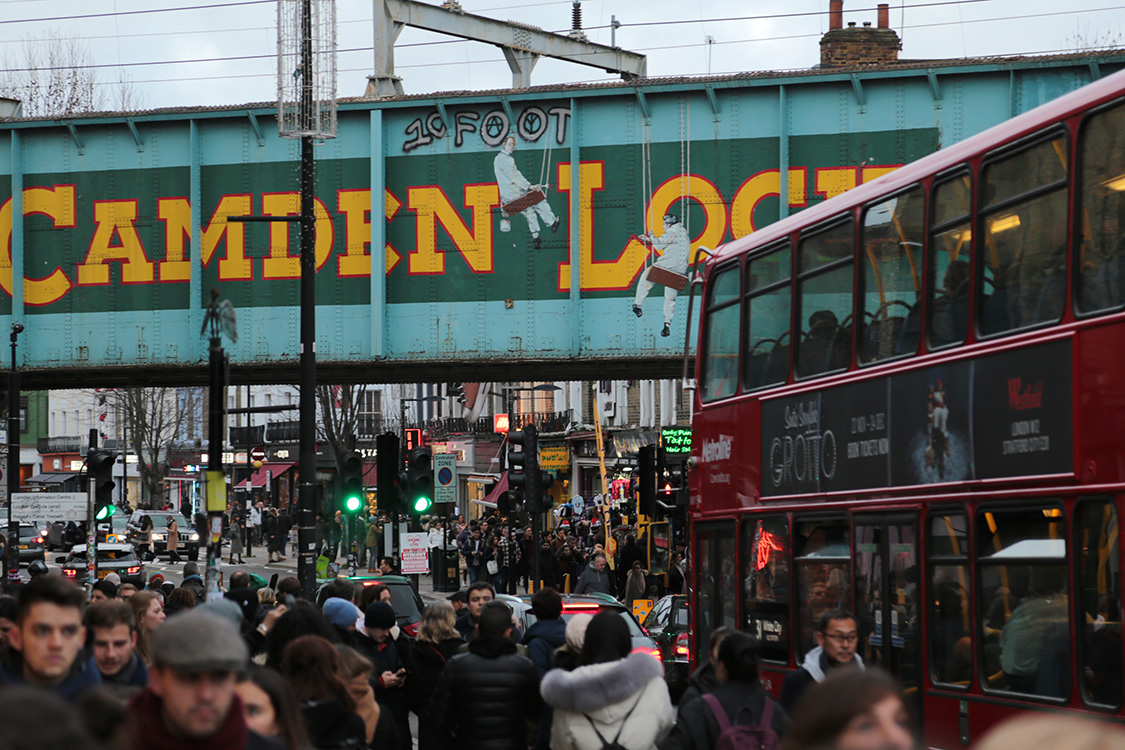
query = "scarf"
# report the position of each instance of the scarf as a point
(150, 732)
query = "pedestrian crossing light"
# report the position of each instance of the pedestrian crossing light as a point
(419, 481)
(351, 471)
(99, 466)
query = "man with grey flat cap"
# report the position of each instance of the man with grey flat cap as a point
(190, 700)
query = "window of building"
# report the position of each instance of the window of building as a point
(370, 414)
(1023, 600)
(822, 557)
(1025, 242)
(824, 300)
(721, 334)
(947, 546)
(765, 583)
(891, 274)
(1098, 566)
(1101, 185)
(768, 298)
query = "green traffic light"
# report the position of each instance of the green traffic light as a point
(352, 503)
(422, 504)
(105, 512)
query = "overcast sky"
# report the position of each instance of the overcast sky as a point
(152, 47)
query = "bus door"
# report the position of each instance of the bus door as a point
(887, 597)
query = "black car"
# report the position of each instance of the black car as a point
(112, 558)
(405, 601)
(668, 623)
(189, 539)
(32, 542)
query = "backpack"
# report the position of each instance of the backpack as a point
(758, 736)
(615, 745)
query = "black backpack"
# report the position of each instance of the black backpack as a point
(615, 745)
(758, 736)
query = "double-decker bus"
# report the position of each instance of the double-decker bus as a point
(911, 404)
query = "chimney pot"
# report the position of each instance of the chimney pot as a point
(867, 24)
(884, 15)
(835, 14)
(851, 24)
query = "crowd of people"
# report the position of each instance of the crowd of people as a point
(162, 667)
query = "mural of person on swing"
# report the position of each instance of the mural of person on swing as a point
(519, 196)
(670, 269)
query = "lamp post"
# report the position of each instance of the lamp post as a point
(12, 560)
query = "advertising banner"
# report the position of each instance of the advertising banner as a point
(415, 553)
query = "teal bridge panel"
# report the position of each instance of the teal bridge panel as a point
(114, 226)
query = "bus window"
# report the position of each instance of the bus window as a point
(765, 581)
(1099, 602)
(1023, 601)
(947, 553)
(951, 263)
(1025, 239)
(716, 579)
(767, 319)
(720, 349)
(891, 263)
(822, 556)
(824, 299)
(1101, 223)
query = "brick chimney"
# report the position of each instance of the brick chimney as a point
(851, 46)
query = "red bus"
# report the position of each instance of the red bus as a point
(911, 403)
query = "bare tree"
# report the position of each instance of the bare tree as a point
(54, 77)
(340, 407)
(154, 420)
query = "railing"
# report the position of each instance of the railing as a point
(65, 444)
(248, 435)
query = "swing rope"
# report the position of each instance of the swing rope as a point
(546, 159)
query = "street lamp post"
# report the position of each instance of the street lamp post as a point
(12, 560)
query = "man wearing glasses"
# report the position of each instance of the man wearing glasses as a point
(836, 637)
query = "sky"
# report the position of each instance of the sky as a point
(223, 52)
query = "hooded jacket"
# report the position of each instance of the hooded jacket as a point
(744, 704)
(626, 696)
(594, 580)
(701, 682)
(541, 639)
(194, 584)
(483, 698)
(813, 669)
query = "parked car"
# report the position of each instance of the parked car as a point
(407, 604)
(669, 625)
(112, 558)
(189, 539)
(32, 542)
(590, 604)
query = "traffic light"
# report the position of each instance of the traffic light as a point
(99, 467)
(456, 390)
(419, 481)
(386, 467)
(523, 467)
(646, 468)
(351, 482)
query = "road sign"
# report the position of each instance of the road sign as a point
(641, 608)
(415, 553)
(49, 506)
(445, 478)
(258, 453)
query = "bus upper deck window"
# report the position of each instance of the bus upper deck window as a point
(891, 262)
(768, 298)
(1101, 223)
(1025, 243)
(951, 263)
(824, 300)
(721, 334)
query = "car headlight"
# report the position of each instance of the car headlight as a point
(194, 537)
(158, 537)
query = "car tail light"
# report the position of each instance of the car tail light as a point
(69, 573)
(653, 652)
(133, 570)
(411, 629)
(38, 540)
(682, 646)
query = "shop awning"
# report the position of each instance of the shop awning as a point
(52, 477)
(490, 499)
(258, 478)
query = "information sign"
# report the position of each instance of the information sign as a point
(49, 506)
(415, 553)
(445, 478)
(641, 608)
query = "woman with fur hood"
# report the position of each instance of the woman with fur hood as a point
(613, 696)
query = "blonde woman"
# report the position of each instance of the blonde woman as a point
(148, 611)
(437, 642)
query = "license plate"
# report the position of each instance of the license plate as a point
(104, 573)
(23, 546)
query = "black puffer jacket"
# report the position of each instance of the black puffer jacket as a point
(483, 698)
